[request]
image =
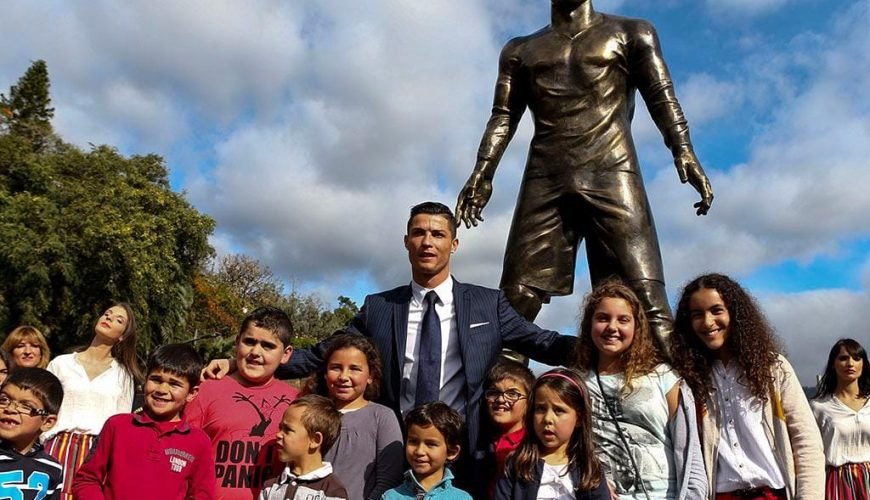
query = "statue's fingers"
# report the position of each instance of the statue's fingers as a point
(475, 214)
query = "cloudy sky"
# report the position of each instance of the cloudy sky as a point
(307, 129)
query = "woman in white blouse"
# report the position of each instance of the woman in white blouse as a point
(843, 413)
(98, 382)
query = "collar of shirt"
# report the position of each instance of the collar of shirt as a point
(142, 418)
(444, 291)
(36, 448)
(512, 438)
(321, 472)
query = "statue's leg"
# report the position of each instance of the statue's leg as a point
(653, 296)
(623, 242)
(527, 301)
(540, 253)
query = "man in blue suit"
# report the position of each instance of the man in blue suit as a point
(476, 323)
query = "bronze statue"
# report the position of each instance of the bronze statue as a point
(582, 179)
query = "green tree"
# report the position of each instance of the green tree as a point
(82, 228)
(27, 111)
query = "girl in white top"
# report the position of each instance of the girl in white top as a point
(98, 382)
(634, 395)
(842, 411)
(758, 433)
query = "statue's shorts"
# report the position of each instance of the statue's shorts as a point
(554, 214)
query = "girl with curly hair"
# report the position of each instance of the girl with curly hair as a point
(842, 409)
(644, 419)
(758, 433)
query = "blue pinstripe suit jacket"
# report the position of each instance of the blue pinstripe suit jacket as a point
(384, 319)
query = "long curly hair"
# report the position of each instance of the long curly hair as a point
(828, 382)
(750, 339)
(569, 386)
(640, 358)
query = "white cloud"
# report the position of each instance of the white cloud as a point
(323, 122)
(801, 194)
(705, 98)
(809, 323)
(110, 61)
(865, 274)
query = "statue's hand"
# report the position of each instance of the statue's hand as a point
(473, 197)
(691, 171)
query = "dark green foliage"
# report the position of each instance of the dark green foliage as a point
(27, 112)
(79, 229)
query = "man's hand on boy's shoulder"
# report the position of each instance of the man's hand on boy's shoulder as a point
(217, 368)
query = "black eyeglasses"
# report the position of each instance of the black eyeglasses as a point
(21, 408)
(510, 395)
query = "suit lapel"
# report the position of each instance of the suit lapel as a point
(461, 308)
(400, 335)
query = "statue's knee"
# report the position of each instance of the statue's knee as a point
(527, 301)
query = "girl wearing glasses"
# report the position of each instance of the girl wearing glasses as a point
(508, 386)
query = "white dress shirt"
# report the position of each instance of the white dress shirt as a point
(745, 457)
(452, 381)
(87, 404)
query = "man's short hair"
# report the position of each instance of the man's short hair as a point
(434, 208)
(42, 383)
(510, 369)
(447, 420)
(272, 319)
(178, 359)
(320, 415)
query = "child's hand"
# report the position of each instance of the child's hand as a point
(217, 368)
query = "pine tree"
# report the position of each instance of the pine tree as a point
(27, 112)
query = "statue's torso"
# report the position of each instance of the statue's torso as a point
(580, 91)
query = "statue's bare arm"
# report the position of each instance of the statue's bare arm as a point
(508, 107)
